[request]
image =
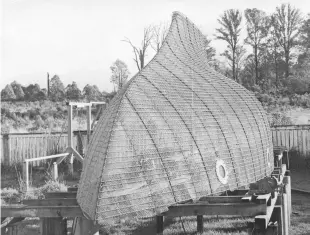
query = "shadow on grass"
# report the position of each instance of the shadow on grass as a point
(173, 226)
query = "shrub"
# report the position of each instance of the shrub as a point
(300, 100)
(32, 113)
(279, 119)
(39, 122)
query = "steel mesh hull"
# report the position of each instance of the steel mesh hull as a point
(160, 139)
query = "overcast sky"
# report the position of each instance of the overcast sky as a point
(80, 39)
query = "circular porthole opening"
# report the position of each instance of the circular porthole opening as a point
(221, 171)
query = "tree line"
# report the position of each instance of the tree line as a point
(273, 58)
(56, 92)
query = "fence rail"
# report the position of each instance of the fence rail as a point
(15, 148)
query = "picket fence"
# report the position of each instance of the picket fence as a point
(17, 147)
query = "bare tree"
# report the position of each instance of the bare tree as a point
(159, 34)
(257, 29)
(230, 32)
(287, 20)
(120, 73)
(140, 52)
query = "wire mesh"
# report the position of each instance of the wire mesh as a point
(161, 137)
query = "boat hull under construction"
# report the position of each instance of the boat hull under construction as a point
(178, 130)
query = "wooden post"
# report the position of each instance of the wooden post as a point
(71, 170)
(287, 190)
(285, 214)
(83, 226)
(277, 215)
(53, 226)
(159, 225)
(26, 174)
(12, 230)
(272, 229)
(55, 171)
(199, 223)
(70, 133)
(88, 123)
(6, 149)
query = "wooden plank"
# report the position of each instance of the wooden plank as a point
(41, 211)
(83, 226)
(295, 139)
(304, 142)
(55, 171)
(88, 123)
(26, 174)
(70, 133)
(287, 139)
(288, 191)
(283, 141)
(247, 198)
(299, 141)
(291, 139)
(159, 225)
(263, 199)
(308, 142)
(13, 230)
(283, 169)
(221, 199)
(10, 221)
(278, 138)
(53, 226)
(274, 137)
(285, 214)
(242, 209)
(262, 221)
(47, 157)
(240, 192)
(51, 202)
(72, 189)
(60, 195)
(200, 223)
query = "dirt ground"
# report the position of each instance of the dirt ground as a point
(301, 179)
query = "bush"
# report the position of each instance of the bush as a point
(39, 193)
(265, 99)
(39, 122)
(279, 119)
(300, 100)
(33, 113)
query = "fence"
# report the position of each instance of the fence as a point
(17, 147)
(294, 137)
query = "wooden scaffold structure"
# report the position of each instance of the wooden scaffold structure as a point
(268, 201)
(70, 151)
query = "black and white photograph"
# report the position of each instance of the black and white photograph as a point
(167, 117)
